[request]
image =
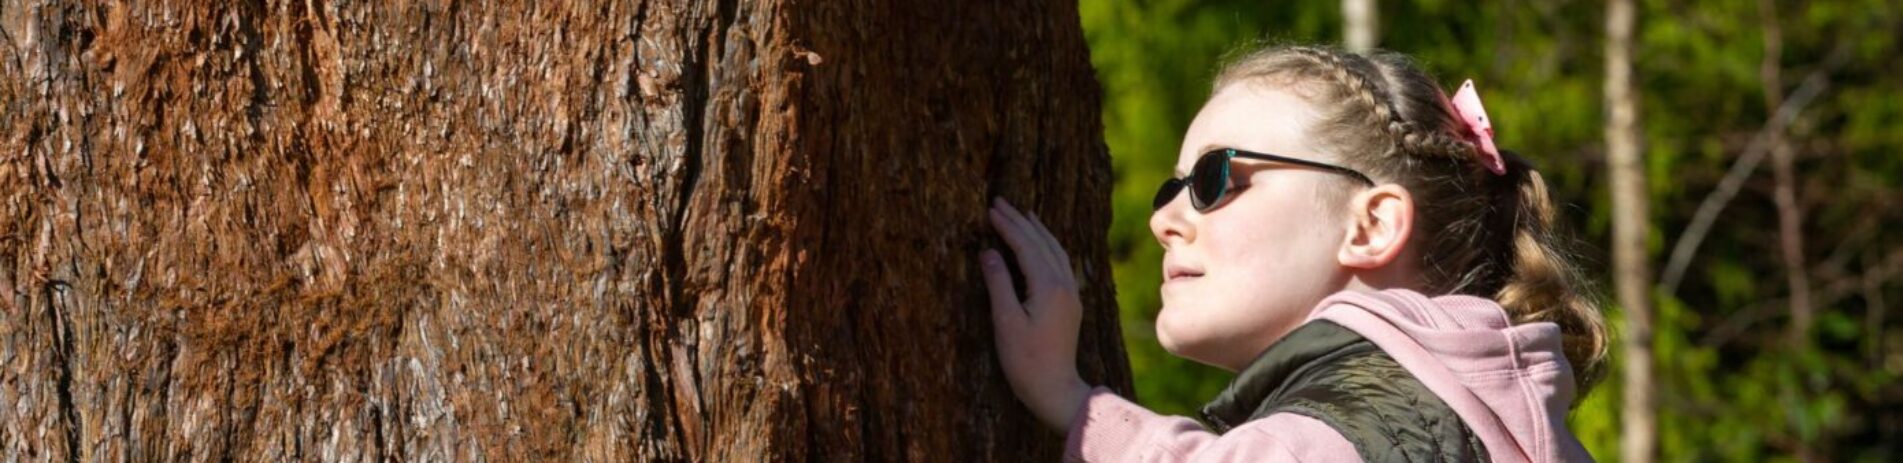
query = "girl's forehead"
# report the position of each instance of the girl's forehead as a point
(1250, 117)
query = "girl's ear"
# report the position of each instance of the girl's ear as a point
(1380, 221)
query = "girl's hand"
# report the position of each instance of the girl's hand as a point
(1037, 338)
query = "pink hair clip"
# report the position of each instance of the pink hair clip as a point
(1467, 106)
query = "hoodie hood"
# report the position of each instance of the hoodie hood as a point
(1510, 383)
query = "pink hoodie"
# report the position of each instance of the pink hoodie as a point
(1510, 384)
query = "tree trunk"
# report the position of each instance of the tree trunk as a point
(1361, 24)
(720, 231)
(1631, 224)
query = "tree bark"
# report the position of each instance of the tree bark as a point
(529, 231)
(1631, 224)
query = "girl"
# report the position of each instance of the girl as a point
(1320, 197)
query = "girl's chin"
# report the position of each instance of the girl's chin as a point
(1165, 335)
(1180, 344)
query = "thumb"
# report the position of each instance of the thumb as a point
(1006, 312)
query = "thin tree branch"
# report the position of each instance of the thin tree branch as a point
(1875, 311)
(1741, 170)
(1789, 214)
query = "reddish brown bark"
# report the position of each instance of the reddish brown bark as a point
(726, 231)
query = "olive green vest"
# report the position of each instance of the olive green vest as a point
(1327, 372)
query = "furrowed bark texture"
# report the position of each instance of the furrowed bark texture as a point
(664, 230)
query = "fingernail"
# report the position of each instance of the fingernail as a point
(989, 257)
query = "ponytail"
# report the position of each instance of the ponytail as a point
(1542, 284)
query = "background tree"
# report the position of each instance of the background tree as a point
(719, 231)
(1361, 20)
(1631, 222)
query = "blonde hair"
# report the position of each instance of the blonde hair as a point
(1476, 232)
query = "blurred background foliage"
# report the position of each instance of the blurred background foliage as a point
(1733, 383)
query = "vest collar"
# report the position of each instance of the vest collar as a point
(1315, 343)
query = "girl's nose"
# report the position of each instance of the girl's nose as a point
(1169, 224)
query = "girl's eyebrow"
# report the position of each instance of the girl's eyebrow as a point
(1178, 172)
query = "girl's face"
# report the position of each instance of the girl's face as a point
(1240, 276)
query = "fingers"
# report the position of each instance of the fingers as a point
(1033, 258)
(1036, 236)
(1006, 312)
(1063, 257)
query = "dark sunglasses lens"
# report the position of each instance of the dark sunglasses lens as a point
(1208, 180)
(1166, 193)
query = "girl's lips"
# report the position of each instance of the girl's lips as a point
(1175, 269)
(1173, 273)
(1177, 283)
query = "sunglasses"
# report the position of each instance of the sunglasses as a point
(1208, 181)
